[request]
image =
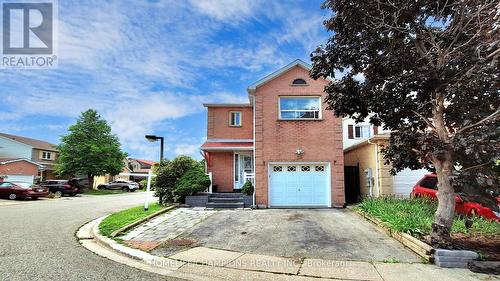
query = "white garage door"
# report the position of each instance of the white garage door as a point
(405, 180)
(299, 185)
(19, 178)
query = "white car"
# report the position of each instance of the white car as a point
(125, 186)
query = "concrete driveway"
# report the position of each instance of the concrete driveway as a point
(337, 234)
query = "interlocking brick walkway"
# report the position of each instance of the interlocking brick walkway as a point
(168, 226)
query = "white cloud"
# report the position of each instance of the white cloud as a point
(226, 10)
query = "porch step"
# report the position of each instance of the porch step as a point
(218, 205)
(225, 200)
(226, 195)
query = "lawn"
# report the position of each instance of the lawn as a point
(415, 217)
(125, 217)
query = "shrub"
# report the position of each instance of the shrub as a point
(247, 188)
(191, 182)
(168, 173)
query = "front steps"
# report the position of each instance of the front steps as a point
(225, 201)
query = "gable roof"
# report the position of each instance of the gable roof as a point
(4, 161)
(298, 62)
(38, 144)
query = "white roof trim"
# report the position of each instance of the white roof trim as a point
(227, 105)
(298, 62)
(19, 160)
(229, 140)
(249, 148)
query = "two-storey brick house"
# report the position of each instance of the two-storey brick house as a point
(284, 140)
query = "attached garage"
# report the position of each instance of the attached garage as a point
(299, 185)
(18, 169)
(404, 181)
(19, 178)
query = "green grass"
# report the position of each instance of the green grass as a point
(415, 216)
(125, 217)
(106, 191)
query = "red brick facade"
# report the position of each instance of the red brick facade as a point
(277, 140)
(19, 168)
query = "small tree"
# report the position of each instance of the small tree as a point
(194, 180)
(428, 70)
(168, 174)
(90, 148)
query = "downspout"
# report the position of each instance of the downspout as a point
(254, 169)
(377, 168)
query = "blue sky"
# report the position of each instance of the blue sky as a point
(147, 66)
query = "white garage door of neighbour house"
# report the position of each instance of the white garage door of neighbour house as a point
(405, 180)
(19, 178)
(299, 185)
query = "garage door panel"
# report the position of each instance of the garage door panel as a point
(19, 178)
(404, 181)
(298, 185)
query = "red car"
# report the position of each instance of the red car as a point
(15, 190)
(427, 187)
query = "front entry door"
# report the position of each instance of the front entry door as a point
(243, 163)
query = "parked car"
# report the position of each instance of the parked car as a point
(60, 187)
(427, 187)
(15, 190)
(80, 183)
(124, 185)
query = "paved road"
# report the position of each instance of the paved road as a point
(37, 240)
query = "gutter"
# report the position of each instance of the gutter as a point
(377, 168)
(254, 169)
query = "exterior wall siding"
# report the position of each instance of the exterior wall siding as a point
(218, 123)
(277, 140)
(14, 149)
(222, 166)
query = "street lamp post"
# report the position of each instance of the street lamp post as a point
(153, 138)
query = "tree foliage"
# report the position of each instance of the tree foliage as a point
(90, 148)
(194, 180)
(168, 174)
(429, 72)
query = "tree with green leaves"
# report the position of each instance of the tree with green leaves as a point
(168, 174)
(90, 148)
(429, 72)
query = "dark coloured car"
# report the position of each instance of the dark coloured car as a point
(16, 190)
(80, 183)
(124, 185)
(60, 187)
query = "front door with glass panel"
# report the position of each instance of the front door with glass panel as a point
(243, 163)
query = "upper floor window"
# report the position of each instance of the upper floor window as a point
(299, 81)
(235, 118)
(361, 131)
(46, 155)
(292, 108)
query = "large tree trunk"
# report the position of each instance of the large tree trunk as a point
(443, 221)
(91, 180)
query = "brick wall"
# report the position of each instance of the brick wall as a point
(277, 141)
(218, 123)
(21, 168)
(221, 167)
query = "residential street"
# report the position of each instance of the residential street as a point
(38, 243)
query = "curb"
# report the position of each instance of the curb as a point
(136, 223)
(420, 248)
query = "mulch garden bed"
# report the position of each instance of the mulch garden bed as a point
(487, 246)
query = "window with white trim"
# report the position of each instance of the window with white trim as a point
(46, 155)
(361, 131)
(302, 107)
(235, 118)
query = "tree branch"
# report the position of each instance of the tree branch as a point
(475, 167)
(491, 116)
(424, 119)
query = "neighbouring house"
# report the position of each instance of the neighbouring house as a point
(284, 141)
(43, 153)
(140, 165)
(109, 178)
(357, 132)
(368, 175)
(18, 169)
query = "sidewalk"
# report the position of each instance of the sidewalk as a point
(202, 263)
